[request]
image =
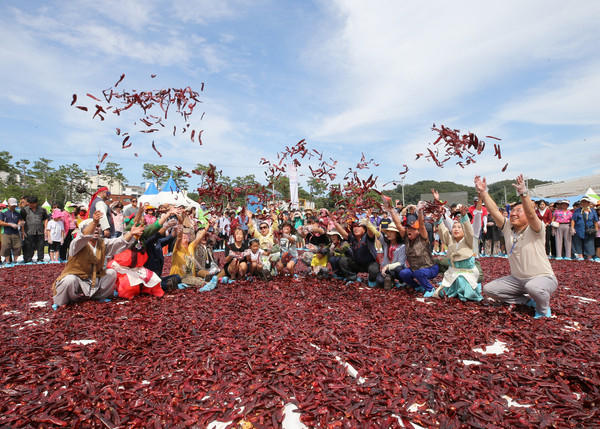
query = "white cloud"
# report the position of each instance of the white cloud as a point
(569, 100)
(395, 60)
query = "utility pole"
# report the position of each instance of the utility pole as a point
(403, 203)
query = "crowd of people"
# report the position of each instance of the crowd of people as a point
(111, 249)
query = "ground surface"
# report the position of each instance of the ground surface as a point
(340, 355)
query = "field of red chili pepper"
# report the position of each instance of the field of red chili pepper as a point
(276, 354)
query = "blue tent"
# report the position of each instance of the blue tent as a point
(170, 186)
(151, 189)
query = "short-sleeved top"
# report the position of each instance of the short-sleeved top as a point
(56, 228)
(317, 239)
(385, 222)
(10, 216)
(236, 251)
(526, 252)
(563, 216)
(418, 252)
(34, 219)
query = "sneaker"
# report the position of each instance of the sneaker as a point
(540, 316)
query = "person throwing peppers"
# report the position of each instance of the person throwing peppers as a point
(531, 280)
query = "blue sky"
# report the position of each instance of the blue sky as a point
(347, 76)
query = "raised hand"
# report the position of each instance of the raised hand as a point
(520, 186)
(480, 184)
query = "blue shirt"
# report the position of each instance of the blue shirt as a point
(10, 216)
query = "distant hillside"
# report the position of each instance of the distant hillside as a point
(413, 191)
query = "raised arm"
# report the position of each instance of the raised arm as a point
(481, 186)
(528, 207)
(387, 206)
(422, 229)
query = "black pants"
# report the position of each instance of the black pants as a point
(349, 268)
(64, 249)
(35, 242)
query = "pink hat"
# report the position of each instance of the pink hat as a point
(56, 214)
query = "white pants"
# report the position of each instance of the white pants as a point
(512, 290)
(72, 288)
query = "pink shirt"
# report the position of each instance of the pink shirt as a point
(68, 221)
(563, 216)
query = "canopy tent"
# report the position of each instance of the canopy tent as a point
(151, 189)
(169, 194)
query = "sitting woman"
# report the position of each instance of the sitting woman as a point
(183, 263)
(421, 266)
(364, 255)
(460, 280)
(236, 266)
(394, 257)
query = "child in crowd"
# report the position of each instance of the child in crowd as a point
(55, 234)
(318, 264)
(254, 259)
(338, 249)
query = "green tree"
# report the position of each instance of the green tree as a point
(5, 161)
(113, 173)
(161, 173)
(71, 176)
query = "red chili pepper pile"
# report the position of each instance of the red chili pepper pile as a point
(242, 351)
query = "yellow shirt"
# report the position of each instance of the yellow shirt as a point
(182, 263)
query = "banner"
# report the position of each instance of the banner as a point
(293, 175)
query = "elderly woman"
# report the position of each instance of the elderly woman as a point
(584, 228)
(561, 218)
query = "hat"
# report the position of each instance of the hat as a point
(476, 199)
(414, 224)
(56, 213)
(150, 208)
(565, 202)
(334, 232)
(391, 227)
(12, 202)
(586, 198)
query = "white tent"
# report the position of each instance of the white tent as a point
(170, 194)
(592, 195)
